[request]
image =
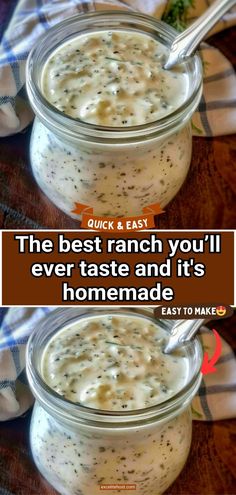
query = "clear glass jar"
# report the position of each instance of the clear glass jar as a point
(116, 171)
(80, 449)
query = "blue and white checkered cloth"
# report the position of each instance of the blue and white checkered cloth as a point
(217, 110)
(216, 398)
(16, 326)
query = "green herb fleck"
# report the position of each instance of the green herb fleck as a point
(205, 65)
(195, 128)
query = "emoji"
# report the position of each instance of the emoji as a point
(220, 310)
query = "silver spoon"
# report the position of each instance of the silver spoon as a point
(186, 43)
(181, 332)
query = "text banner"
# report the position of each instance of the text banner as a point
(149, 267)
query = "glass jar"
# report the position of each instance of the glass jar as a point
(115, 170)
(81, 451)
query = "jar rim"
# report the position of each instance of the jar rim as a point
(73, 128)
(78, 413)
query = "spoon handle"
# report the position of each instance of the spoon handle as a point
(182, 331)
(186, 43)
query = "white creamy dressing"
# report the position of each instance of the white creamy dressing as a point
(114, 363)
(113, 78)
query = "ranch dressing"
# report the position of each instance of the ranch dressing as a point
(113, 78)
(81, 462)
(114, 363)
(117, 181)
(111, 362)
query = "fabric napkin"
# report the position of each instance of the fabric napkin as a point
(216, 398)
(17, 325)
(217, 111)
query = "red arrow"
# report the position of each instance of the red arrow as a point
(208, 364)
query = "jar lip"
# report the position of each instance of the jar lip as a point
(77, 127)
(78, 412)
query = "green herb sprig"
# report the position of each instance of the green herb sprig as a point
(176, 13)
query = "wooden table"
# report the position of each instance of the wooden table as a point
(210, 469)
(206, 200)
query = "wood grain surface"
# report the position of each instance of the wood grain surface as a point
(206, 200)
(210, 469)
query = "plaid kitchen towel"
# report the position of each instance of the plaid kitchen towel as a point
(216, 114)
(216, 398)
(16, 326)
